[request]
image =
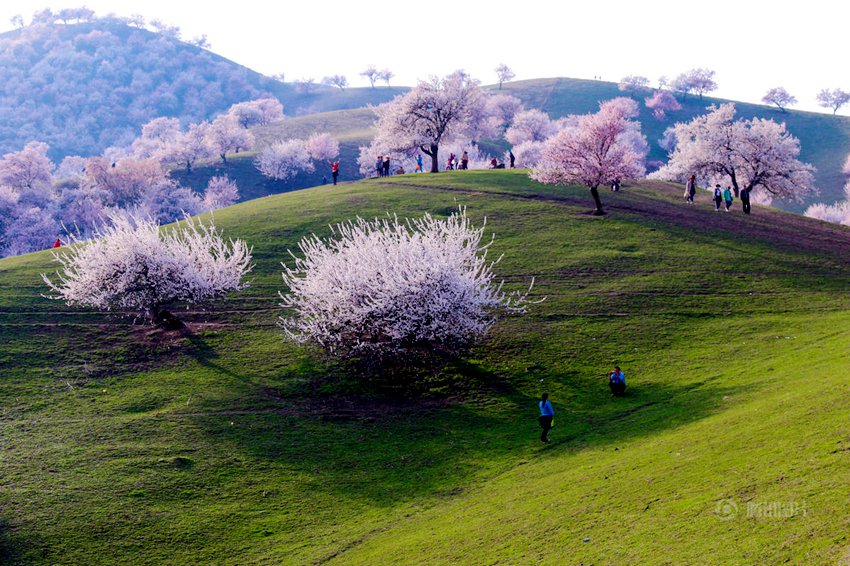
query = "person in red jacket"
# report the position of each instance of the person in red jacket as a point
(57, 243)
(335, 169)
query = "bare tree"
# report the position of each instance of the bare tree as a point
(385, 75)
(370, 73)
(504, 74)
(338, 81)
(834, 99)
(780, 97)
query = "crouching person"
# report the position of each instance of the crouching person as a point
(617, 382)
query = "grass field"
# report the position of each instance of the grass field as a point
(226, 445)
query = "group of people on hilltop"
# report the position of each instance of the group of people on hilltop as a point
(721, 196)
(382, 166)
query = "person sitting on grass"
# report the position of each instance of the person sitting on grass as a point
(617, 382)
(547, 415)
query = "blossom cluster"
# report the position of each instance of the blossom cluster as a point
(386, 288)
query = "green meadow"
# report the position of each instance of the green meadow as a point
(225, 444)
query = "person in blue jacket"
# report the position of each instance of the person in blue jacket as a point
(547, 414)
(617, 382)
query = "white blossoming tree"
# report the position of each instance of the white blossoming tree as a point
(431, 114)
(284, 159)
(757, 154)
(133, 266)
(386, 289)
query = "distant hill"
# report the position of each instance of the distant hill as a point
(83, 87)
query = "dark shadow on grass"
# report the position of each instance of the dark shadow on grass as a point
(205, 355)
(385, 450)
(15, 548)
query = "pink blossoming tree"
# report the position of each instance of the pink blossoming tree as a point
(597, 149)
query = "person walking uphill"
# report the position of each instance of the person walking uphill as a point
(691, 189)
(547, 415)
(727, 197)
(745, 200)
(718, 197)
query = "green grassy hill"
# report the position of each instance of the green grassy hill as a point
(226, 445)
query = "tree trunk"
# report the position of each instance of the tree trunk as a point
(435, 164)
(188, 167)
(595, 192)
(223, 158)
(167, 321)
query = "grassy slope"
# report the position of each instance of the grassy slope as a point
(229, 446)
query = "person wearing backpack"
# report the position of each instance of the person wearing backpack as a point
(718, 197)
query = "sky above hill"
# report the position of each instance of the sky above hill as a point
(752, 46)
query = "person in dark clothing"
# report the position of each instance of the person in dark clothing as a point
(617, 382)
(386, 166)
(335, 170)
(512, 158)
(615, 186)
(745, 200)
(464, 161)
(718, 197)
(547, 415)
(379, 165)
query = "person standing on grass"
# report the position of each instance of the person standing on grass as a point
(745, 200)
(691, 189)
(727, 197)
(547, 415)
(386, 166)
(379, 166)
(464, 161)
(617, 382)
(718, 197)
(419, 163)
(335, 170)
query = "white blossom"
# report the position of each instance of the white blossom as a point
(383, 288)
(132, 265)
